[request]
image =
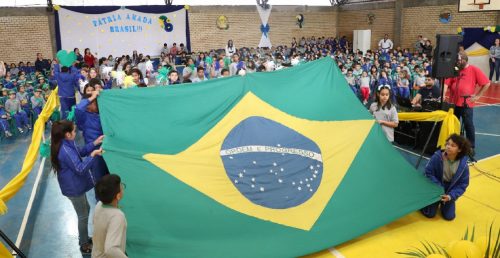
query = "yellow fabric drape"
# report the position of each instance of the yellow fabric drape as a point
(450, 124)
(478, 52)
(4, 252)
(9, 190)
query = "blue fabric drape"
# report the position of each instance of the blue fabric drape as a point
(484, 38)
(137, 8)
(188, 33)
(106, 9)
(58, 31)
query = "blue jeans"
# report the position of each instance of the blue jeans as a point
(467, 116)
(447, 208)
(495, 68)
(404, 92)
(82, 207)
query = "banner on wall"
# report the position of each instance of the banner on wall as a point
(116, 32)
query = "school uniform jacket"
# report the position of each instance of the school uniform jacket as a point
(88, 122)
(74, 177)
(67, 83)
(459, 182)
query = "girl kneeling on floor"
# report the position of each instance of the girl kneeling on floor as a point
(448, 168)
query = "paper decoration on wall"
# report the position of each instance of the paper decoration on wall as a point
(492, 28)
(222, 22)
(165, 23)
(371, 18)
(445, 16)
(300, 20)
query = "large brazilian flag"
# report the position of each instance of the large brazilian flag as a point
(278, 164)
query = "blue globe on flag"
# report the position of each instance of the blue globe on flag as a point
(270, 164)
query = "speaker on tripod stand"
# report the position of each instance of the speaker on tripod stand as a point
(445, 56)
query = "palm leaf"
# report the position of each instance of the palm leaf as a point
(489, 242)
(496, 250)
(473, 230)
(432, 249)
(426, 248)
(442, 250)
(412, 254)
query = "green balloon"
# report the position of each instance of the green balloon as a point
(66, 58)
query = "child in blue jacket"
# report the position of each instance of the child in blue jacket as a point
(4, 124)
(449, 170)
(72, 165)
(88, 120)
(67, 83)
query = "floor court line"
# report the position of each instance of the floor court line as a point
(482, 104)
(489, 134)
(30, 204)
(490, 157)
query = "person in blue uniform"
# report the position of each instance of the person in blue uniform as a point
(88, 120)
(448, 168)
(13, 107)
(72, 165)
(67, 83)
(4, 124)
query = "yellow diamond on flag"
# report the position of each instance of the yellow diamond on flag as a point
(204, 165)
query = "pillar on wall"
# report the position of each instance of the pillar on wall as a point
(52, 29)
(398, 23)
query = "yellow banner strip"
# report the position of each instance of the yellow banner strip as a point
(450, 125)
(16, 183)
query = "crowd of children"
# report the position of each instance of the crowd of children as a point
(23, 92)
(403, 70)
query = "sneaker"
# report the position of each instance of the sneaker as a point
(86, 249)
(8, 134)
(20, 129)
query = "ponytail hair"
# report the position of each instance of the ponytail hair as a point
(59, 130)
